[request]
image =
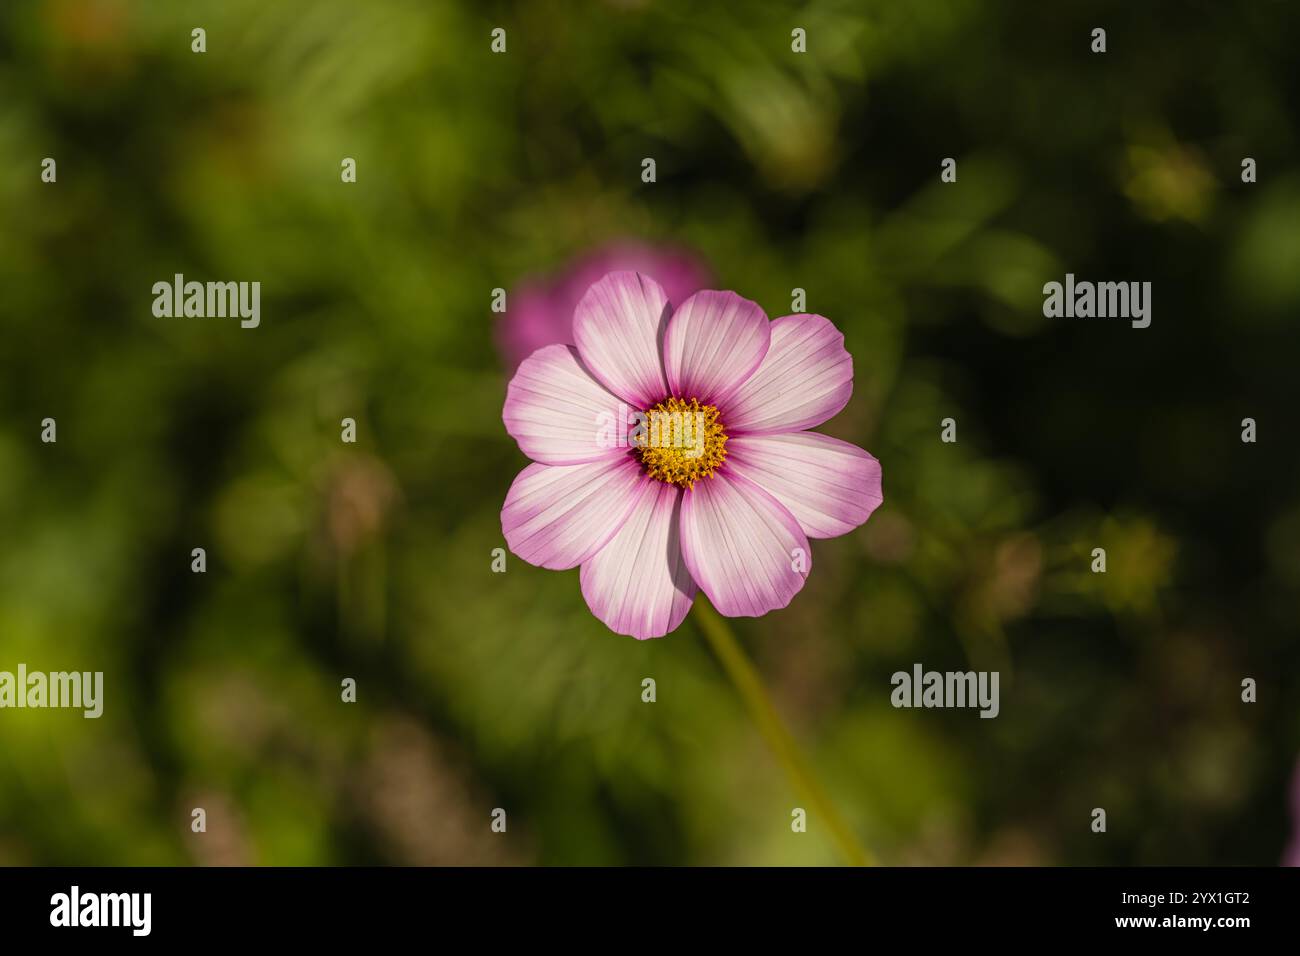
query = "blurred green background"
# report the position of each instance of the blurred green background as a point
(372, 561)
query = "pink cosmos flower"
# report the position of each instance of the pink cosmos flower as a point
(729, 511)
(540, 311)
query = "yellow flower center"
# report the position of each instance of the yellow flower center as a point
(681, 441)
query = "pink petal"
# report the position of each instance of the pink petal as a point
(830, 486)
(638, 583)
(541, 310)
(618, 325)
(558, 413)
(806, 378)
(742, 547)
(714, 342)
(557, 516)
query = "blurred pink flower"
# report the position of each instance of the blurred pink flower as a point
(540, 311)
(719, 486)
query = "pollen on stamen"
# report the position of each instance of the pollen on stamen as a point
(681, 442)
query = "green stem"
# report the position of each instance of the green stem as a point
(750, 685)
